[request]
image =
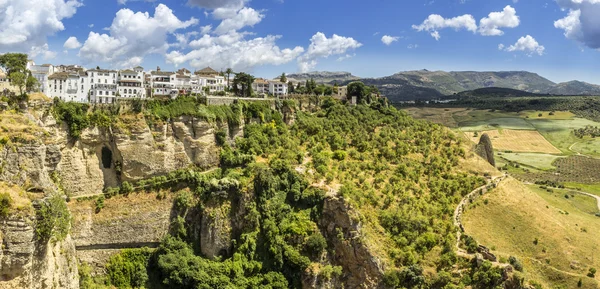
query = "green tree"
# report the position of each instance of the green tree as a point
(360, 91)
(5, 204)
(242, 84)
(14, 62)
(31, 84)
(291, 88)
(283, 78)
(229, 72)
(18, 79)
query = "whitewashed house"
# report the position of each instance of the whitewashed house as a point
(131, 83)
(41, 74)
(65, 86)
(103, 85)
(278, 88)
(163, 83)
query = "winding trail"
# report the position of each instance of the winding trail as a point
(136, 188)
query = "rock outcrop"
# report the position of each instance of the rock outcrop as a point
(24, 263)
(341, 227)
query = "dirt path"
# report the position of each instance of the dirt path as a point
(102, 193)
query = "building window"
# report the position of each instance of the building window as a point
(100, 93)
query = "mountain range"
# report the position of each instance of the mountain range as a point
(427, 85)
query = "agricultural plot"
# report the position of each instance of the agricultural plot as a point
(548, 234)
(516, 141)
(574, 169)
(571, 199)
(534, 160)
(497, 123)
(560, 134)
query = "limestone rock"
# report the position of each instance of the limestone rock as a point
(361, 268)
(216, 229)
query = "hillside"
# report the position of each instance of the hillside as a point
(496, 92)
(282, 194)
(427, 85)
(575, 88)
(324, 76)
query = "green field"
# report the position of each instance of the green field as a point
(496, 123)
(575, 200)
(534, 160)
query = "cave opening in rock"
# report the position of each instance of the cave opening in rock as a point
(106, 158)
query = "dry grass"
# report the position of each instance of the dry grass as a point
(17, 127)
(515, 216)
(21, 200)
(37, 96)
(517, 141)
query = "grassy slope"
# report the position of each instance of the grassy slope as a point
(535, 160)
(516, 215)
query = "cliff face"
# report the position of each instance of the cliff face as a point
(27, 264)
(104, 157)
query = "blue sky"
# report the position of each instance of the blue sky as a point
(557, 39)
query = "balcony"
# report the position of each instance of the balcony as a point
(130, 84)
(71, 91)
(106, 86)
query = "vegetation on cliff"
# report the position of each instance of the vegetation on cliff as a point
(399, 174)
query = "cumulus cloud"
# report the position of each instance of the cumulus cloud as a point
(234, 51)
(43, 51)
(527, 44)
(322, 47)
(582, 23)
(507, 18)
(436, 22)
(244, 17)
(388, 40)
(488, 26)
(72, 43)
(132, 36)
(27, 24)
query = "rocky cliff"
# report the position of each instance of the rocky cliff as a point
(26, 263)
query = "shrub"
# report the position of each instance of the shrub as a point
(340, 155)
(592, 273)
(5, 204)
(128, 268)
(220, 137)
(126, 188)
(315, 244)
(53, 220)
(515, 263)
(99, 204)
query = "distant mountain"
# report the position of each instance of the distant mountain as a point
(427, 85)
(575, 88)
(496, 92)
(324, 76)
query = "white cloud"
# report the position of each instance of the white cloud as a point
(233, 51)
(72, 43)
(582, 23)
(347, 56)
(435, 22)
(133, 36)
(507, 18)
(205, 29)
(322, 47)
(43, 51)
(27, 24)
(527, 44)
(244, 17)
(387, 40)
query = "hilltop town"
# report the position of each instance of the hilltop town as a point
(73, 83)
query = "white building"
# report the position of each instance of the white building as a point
(130, 83)
(278, 88)
(163, 83)
(103, 85)
(260, 86)
(41, 74)
(212, 79)
(65, 85)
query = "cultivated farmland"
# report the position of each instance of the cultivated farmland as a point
(517, 141)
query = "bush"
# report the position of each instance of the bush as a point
(592, 273)
(126, 188)
(5, 204)
(315, 244)
(220, 137)
(340, 155)
(515, 263)
(99, 204)
(128, 268)
(53, 220)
